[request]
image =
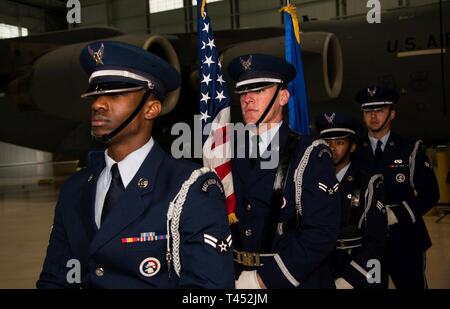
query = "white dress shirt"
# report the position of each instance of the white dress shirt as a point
(266, 137)
(374, 141)
(342, 172)
(128, 167)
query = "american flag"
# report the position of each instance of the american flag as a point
(214, 110)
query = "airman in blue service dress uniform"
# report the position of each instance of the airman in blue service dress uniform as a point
(139, 219)
(410, 184)
(288, 213)
(362, 240)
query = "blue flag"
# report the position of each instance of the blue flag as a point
(298, 101)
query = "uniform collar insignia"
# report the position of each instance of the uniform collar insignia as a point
(142, 183)
(246, 64)
(97, 55)
(372, 92)
(330, 119)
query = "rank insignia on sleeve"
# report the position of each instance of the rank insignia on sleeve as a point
(329, 190)
(380, 206)
(212, 182)
(221, 245)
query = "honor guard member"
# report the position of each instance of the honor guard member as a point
(362, 241)
(139, 218)
(288, 213)
(410, 184)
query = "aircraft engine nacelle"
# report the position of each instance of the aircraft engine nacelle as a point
(57, 79)
(322, 61)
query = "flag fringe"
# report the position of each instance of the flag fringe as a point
(292, 10)
(232, 218)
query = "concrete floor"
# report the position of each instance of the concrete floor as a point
(26, 218)
(26, 214)
(438, 256)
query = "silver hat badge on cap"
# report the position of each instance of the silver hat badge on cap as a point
(98, 55)
(247, 63)
(330, 119)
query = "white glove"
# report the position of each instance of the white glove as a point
(247, 280)
(342, 284)
(391, 217)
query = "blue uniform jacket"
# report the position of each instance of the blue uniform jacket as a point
(300, 254)
(363, 216)
(109, 261)
(410, 184)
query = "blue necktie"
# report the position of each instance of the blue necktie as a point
(378, 151)
(115, 190)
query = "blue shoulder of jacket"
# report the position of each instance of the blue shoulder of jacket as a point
(180, 169)
(80, 177)
(409, 144)
(183, 169)
(320, 147)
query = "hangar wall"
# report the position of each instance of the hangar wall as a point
(133, 15)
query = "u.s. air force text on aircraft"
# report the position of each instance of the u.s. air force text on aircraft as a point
(227, 298)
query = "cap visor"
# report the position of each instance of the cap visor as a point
(110, 88)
